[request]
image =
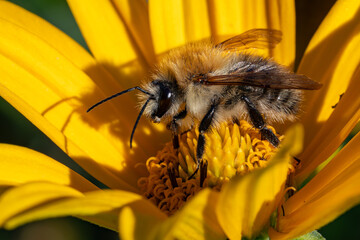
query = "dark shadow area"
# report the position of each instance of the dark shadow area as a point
(65, 228)
(344, 227)
(309, 15)
(66, 121)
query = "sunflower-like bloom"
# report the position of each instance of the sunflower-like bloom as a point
(52, 80)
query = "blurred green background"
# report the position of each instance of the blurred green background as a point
(16, 129)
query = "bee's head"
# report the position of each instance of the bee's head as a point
(156, 98)
(163, 95)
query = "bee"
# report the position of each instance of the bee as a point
(204, 84)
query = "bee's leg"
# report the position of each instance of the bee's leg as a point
(236, 121)
(259, 122)
(175, 141)
(173, 126)
(204, 126)
(298, 161)
(203, 172)
(186, 131)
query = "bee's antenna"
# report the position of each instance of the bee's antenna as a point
(118, 94)
(137, 120)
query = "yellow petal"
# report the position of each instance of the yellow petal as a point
(108, 39)
(329, 194)
(52, 36)
(246, 203)
(50, 91)
(100, 207)
(20, 165)
(127, 224)
(230, 18)
(138, 222)
(347, 157)
(121, 42)
(281, 15)
(175, 23)
(83, 60)
(196, 220)
(126, 221)
(330, 59)
(134, 15)
(24, 197)
(61, 42)
(333, 132)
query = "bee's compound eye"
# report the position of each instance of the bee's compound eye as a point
(165, 99)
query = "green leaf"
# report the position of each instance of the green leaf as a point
(314, 235)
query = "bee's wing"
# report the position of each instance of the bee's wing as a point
(262, 79)
(254, 38)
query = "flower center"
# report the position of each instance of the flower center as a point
(230, 150)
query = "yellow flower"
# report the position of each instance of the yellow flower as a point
(51, 80)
